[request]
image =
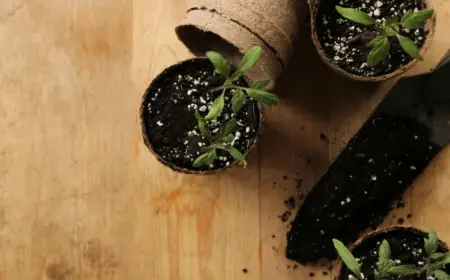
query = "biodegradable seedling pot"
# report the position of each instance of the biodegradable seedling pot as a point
(406, 248)
(333, 37)
(231, 27)
(169, 125)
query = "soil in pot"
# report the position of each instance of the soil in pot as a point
(361, 186)
(345, 42)
(169, 121)
(407, 247)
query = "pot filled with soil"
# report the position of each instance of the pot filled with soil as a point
(371, 40)
(394, 253)
(201, 116)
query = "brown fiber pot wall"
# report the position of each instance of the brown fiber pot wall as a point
(231, 27)
(314, 8)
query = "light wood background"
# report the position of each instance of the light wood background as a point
(82, 198)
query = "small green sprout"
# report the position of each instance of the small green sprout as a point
(239, 96)
(380, 45)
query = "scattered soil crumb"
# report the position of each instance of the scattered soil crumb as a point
(290, 203)
(285, 216)
(285, 177)
(245, 270)
(401, 221)
(324, 138)
(309, 161)
(324, 273)
(299, 184)
(295, 266)
(401, 204)
(273, 236)
(409, 216)
(311, 274)
(301, 196)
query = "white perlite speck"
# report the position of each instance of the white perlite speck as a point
(378, 4)
(202, 100)
(348, 200)
(247, 129)
(373, 178)
(413, 167)
(202, 108)
(336, 58)
(376, 12)
(159, 123)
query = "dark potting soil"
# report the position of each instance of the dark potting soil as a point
(359, 189)
(170, 119)
(407, 247)
(345, 42)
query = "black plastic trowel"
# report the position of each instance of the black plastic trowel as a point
(406, 131)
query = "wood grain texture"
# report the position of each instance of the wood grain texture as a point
(81, 197)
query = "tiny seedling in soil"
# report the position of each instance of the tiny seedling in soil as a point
(184, 120)
(415, 260)
(380, 45)
(224, 140)
(372, 37)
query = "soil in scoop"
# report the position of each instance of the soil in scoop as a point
(407, 247)
(345, 42)
(170, 119)
(359, 189)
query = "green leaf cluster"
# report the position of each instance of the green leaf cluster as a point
(434, 267)
(220, 142)
(239, 96)
(380, 45)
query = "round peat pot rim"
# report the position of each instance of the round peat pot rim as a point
(145, 131)
(430, 24)
(340, 265)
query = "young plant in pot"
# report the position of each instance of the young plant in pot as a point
(395, 253)
(201, 116)
(373, 40)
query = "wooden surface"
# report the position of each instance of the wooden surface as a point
(82, 198)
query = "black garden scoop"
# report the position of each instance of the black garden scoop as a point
(406, 131)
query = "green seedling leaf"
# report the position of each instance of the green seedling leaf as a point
(347, 257)
(436, 256)
(406, 16)
(202, 125)
(227, 138)
(379, 52)
(404, 270)
(221, 64)
(205, 159)
(229, 128)
(216, 108)
(431, 243)
(384, 253)
(236, 154)
(237, 100)
(262, 96)
(391, 26)
(260, 84)
(377, 40)
(441, 275)
(411, 20)
(248, 62)
(355, 15)
(441, 261)
(409, 47)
